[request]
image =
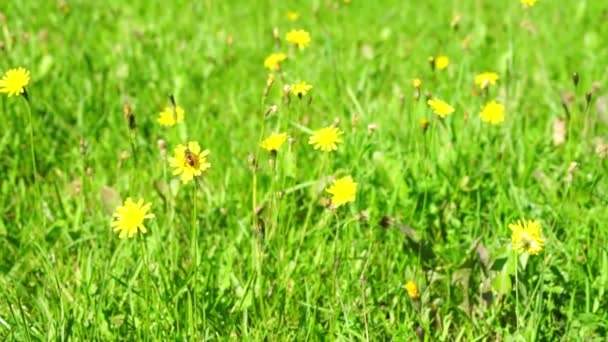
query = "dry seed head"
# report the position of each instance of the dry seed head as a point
(575, 79)
(162, 147)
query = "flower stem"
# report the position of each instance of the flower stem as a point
(516, 294)
(194, 248)
(33, 155)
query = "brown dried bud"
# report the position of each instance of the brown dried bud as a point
(575, 79)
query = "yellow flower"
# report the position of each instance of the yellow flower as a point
(326, 139)
(169, 118)
(14, 81)
(442, 62)
(493, 112)
(528, 3)
(412, 289)
(417, 83)
(189, 161)
(526, 237)
(292, 15)
(129, 218)
(274, 142)
(300, 89)
(273, 62)
(300, 38)
(343, 191)
(440, 108)
(486, 79)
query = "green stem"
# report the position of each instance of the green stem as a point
(33, 155)
(194, 248)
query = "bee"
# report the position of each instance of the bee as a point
(190, 157)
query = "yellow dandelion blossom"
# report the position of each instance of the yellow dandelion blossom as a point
(528, 3)
(526, 237)
(189, 161)
(299, 38)
(440, 107)
(293, 15)
(274, 142)
(442, 62)
(326, 139)
(129, 218)
(169, 117)
(486, 79)
(417, 83)
(300, 89)
(412, 289)
(273, 62)
(493, 112)
(343, 190)
(14, 81)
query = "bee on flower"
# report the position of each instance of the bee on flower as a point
(273, 62)
(300, 89)
(171, 116)
(299, 38)
(14, 81)
(274, 142)
(526, 237)
(189, 161)
(129, 218)
(326, 139)
(493, 112)
(440, 107)
(486, 79)
(343, 190)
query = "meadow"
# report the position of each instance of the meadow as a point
(304, 170)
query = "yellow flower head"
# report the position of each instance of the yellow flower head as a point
(300, 89)
(326, 139)
(189, 161)
(292, 15)
(417, 83)
(528, 3)
(493, 112)
(440, 107)
(486, 79)
(273, 62)
(343, 191)
(300, 38)
(169, 117)
(129, 218)
(442, 62)
(274, 142)
(412, 289)
(526, 237)
(14, 81)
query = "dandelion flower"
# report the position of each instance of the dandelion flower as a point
(412, 289)
(343, 191)
(440, 107)
(169, 117)
(189, 161)
(14, 81)
(493, 112)
(526, 237)
(326, 139)
(442, 62)
(273, 62)
(486, 79)
(417, 83)
(292, 15)
(528, 3)
(300, 89)
(129, 218)
(300, 38)
(274, 142)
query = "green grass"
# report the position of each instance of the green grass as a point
(432, 206)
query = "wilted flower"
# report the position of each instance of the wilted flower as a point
(343, 190)
(129, 218)
(493, 112)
